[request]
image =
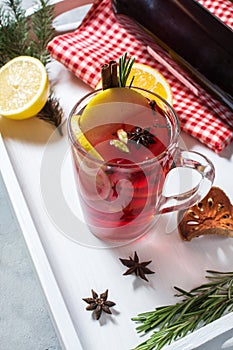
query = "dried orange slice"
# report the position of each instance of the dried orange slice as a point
(24, 87)
(212, 215)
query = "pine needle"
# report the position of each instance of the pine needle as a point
(43, 30)
(52, 111)
(18, 36)
(14, 31)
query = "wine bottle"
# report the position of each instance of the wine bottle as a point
(196, 39)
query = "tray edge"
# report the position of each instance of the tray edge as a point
(56, 304)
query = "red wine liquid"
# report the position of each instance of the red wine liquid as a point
(119, 196)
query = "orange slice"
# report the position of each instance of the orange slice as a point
(150, 79)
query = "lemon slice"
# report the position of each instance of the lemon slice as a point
(150, 79)
(117, 95)
(24, 87)
(82, 139)
(102, 110)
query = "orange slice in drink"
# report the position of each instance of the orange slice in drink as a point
(150, 79)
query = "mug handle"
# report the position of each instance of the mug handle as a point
(181, 201)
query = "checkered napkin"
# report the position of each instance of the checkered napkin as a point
(101, 38)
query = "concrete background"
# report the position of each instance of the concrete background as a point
(25, 322)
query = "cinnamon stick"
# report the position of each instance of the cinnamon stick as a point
(109, 75)
(106, 76)
(114, 77)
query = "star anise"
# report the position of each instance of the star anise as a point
(152, 104)
(141, 136)
(134, 266)
(99, 303)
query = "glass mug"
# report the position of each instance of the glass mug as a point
(121, 190)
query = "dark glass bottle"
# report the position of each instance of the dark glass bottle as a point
(193, 37)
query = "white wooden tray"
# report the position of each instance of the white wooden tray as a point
(36, 168)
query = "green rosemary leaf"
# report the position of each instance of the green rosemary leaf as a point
(121, 69)
(219, 311)
(125, 66)
(230, 290)
(198, 307)
(182, 292)
(129, 67)
(131, 82)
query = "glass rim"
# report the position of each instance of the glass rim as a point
(171, 145)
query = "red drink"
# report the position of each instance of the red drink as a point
(123, 146)
(119, 195)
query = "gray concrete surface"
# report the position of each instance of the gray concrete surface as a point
(25, 322)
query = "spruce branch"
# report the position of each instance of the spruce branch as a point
(199, 307)
(43, 30)
(14, 31)
(19, 36)
(52, 111)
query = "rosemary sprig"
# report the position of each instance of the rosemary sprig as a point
(125, 66)
(198, 307)
(113, 77)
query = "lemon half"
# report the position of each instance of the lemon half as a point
(24, 87)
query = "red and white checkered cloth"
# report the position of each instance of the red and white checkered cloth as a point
(101, 38)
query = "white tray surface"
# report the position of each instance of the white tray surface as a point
(69, 269)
